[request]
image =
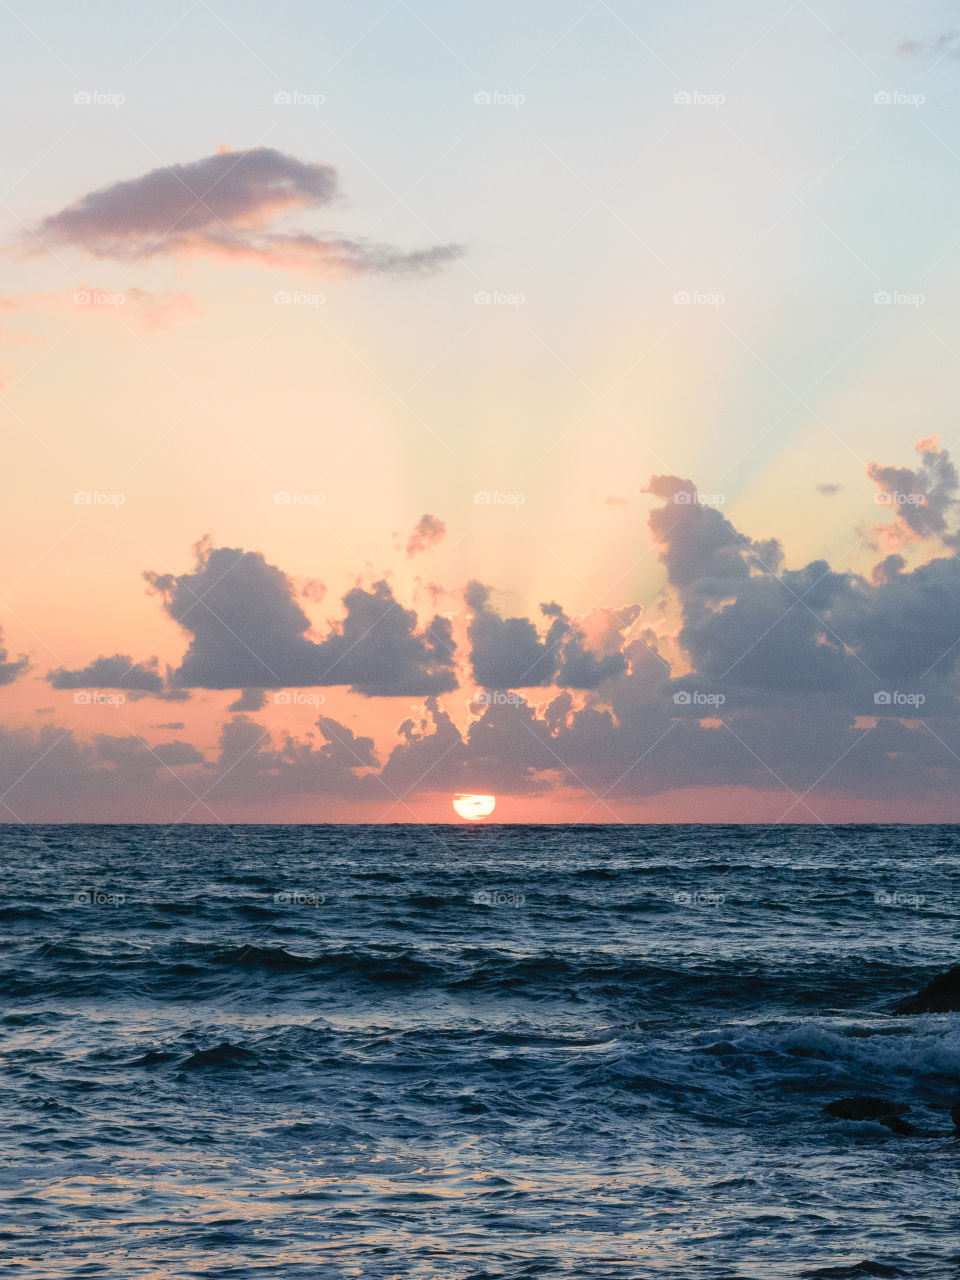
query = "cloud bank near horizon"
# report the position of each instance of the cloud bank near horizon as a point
(757, 676)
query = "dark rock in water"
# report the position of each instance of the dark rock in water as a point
(882, 1110)
(940, 995)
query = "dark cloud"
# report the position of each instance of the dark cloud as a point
(248, 631)
(924, 499)
(172, 724)
(118, 672)
(510, 653)
(828, 489)
(11, 669)
(226, 204)
(250, 700)
(429, 531)
(804, 683)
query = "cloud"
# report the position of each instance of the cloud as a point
(250, 700)
(117, 672)
(802, 683)
(11, 668)
(828, 489)
(248, 632)
(923, 498)
(429, 532)
(51, 775)
(226, 205)
(510, 653)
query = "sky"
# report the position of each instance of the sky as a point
(548, 401)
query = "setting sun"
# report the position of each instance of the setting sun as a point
(474, 808)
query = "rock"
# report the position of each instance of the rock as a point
(882, 1110)
(940, 995)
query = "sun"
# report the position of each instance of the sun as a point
(474, 808)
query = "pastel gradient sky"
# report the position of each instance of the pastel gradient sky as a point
(384, 257)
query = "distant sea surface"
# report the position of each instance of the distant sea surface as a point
(474, 1052)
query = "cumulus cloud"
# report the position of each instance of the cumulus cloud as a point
(799, 681)
(227, 205)
(429, 532)
(117, 672)
(510, 653)
(248, 632)
(924, 498)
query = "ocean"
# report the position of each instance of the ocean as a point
(476, 1052)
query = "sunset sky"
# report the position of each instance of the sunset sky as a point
(394, 410)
